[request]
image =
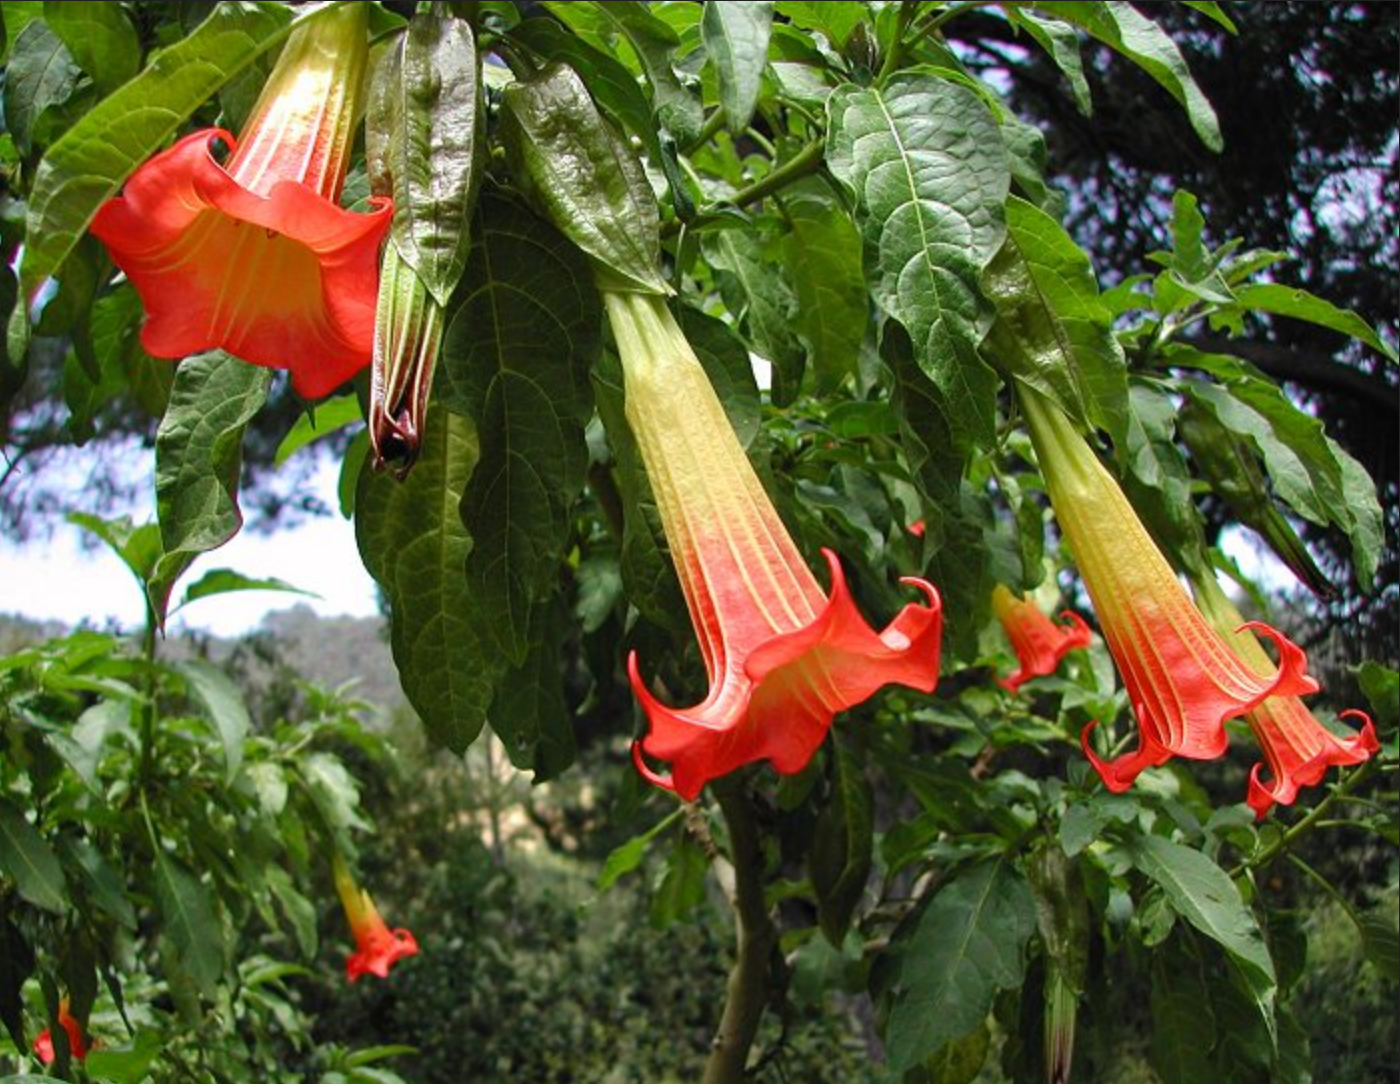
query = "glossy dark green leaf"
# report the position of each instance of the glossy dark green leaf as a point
(92, 159)
(189, 921)
(100, 37)
(613, 87)
(515, 358)
(1203, 894)
(736, 37)
(104, 884)
(624, 859)
(224, 705)
(413, 542)
(1157, 479)
(1183, 1021)
(726, 363)
(16, 965)
(27, 859)
(822, 258)
(300, 912)
(584, 177)
(842, 850)
(1381, 685)
(425, 146)
(530, 714)
(676, 106)
(1051, 331)
(1380, 940)
(947, 961)
(925, 162)
(1127, 31)
(199, 458)
(41, 73)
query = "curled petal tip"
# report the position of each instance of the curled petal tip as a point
(656, 779)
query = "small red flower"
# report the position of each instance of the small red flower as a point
(77, 1045)
(377, 947)
(1183, 679)
(782, 655)
(255, 256)
(1297, 747)
(1039, 643)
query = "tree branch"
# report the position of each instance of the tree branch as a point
(747, 992)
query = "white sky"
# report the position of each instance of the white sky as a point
(61, 579)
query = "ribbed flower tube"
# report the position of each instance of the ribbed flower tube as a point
(407, 336)
(1298, 749)
(1039, 643)
(1183, 679)
(782, 655)
(255, 256)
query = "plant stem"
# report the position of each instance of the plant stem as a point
(148, 709)
(756, 936)
(807, 160)
(713, 123)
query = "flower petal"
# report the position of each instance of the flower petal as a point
(287, 281)
(1299, 750)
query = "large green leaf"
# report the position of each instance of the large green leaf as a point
(736, 33)
(822, 256)
(1157, 480)
(187, 911)
(1061, 42)
(925, 161)
(41, 73)
(676, 107)
(425, 145)
(749, 267)
(1203, 894)
(412, 540)
(199, 457)
(515, 358)
(947, 962)
(584, 177)
(835, 21)
(1309, 471)
(1052, 331)
(92, 159)
(29, 861)
(223, 702)
(1124, 29)
(100, 37)
(530, 714)
(1300, 305)
(1183, 1022)
(842, 849)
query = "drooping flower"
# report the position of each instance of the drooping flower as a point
(1297, 747)
(782, 655)
(377, 947)
(1183, 679)
(1039, 643)
(77, 1044)
(255, 256)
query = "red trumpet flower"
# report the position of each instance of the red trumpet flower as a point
(377, 947)
(77, 1044)
(1297, 747)
(255, 256)
(1040, 644)
(1183, 679)
(782, 655)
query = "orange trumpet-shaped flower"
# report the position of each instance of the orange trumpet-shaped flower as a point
(1297, 747)
(781, 655)
(255, 256)
(1183, 680)
(377, 948)
(77, 1045)
(1040, 644)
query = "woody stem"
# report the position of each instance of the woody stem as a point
(747, 993)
